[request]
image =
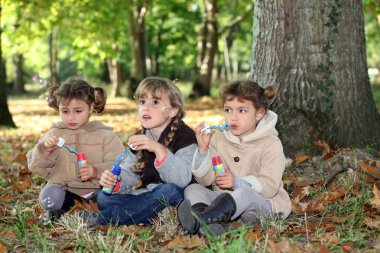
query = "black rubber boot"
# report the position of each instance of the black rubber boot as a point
(189, 216)
(221, 210)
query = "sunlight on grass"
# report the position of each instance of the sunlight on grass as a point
(34, 116)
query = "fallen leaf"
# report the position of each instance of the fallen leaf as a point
(347, 247)
(324, 249)
(344, 218)
(300, 159)
(253, 235)
(376, 199)
(10, 235)
(185, 242)
(368, 168)
(21, 158)
(373, 223)
(3, 249)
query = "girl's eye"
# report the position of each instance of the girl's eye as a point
(156, 102)
(243, 111)
(142, 102)
(227, 110)
(64, 111)
(78, 111)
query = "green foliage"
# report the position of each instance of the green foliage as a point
(372, 32)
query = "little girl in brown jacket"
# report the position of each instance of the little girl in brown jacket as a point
(75, 100)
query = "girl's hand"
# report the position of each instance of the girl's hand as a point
(203, 138)
(51, 144)
(88, 172)
(225, 180)
(141, 141)
(108, 179)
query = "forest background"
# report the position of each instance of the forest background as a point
(115, 44)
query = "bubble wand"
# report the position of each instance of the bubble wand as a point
(61, 143)
(221, 127)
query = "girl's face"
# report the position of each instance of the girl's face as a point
(242, 117)
(74, 114)
(156, 113)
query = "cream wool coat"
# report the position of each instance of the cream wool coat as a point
(257, 161)
(95, 139)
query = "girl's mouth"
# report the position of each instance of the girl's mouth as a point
(72, 124)
(234, 127)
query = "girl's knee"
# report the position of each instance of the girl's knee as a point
(172, 189)
(192, 189)
(102, 200)
(52, 197)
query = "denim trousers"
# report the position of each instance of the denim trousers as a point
(128, 209)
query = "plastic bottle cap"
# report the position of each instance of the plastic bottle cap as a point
(81, 156)
(216, 160)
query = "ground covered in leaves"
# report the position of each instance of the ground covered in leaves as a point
(335, 198)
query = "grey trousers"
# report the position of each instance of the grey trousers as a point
(250, 205)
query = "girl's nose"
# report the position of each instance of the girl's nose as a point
(234, 115)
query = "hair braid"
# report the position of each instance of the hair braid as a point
(139, 154)
(173, 130)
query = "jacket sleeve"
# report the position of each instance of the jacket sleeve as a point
(176, 168)
(272, 165)
(202, 168)
(38, 163)
(111, 149)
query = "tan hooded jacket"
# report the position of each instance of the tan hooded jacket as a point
(100, 145)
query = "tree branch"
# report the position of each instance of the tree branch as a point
(236, 20)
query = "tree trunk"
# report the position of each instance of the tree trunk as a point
(5, 115)
(207, 46)
(53, 55)
(137, 39)
(19, 84)
(114, 70)
(315, 52)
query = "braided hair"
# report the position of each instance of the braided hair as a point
(159, 87)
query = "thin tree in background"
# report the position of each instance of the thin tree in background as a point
(5, 115)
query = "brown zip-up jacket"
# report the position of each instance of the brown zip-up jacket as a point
(95, 139)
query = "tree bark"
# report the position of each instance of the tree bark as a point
(207, 46)
(315, 52)
(19, 84)
(114, 70)
(136, 25)
(53, 55)
(5, 115)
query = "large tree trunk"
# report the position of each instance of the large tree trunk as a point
(114, 70)
(19, 84)
(5, 115)
(315, 51)
(53, 55)
(136, 25)
(207, 46)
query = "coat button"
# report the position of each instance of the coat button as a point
(236, 159)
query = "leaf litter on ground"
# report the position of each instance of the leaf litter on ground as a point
(333, 194)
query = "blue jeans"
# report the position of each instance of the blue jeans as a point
(128, 209)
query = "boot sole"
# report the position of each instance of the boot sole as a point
(186, 217)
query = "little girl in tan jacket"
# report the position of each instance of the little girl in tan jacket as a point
(251, 186)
